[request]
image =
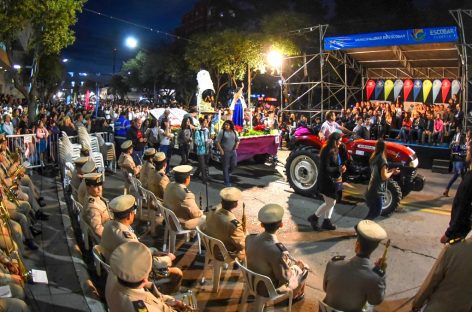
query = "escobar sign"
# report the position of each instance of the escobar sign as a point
(392, 38)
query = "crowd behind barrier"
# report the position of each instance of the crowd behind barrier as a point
(38, 153)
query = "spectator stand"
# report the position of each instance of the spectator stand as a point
(337, 76)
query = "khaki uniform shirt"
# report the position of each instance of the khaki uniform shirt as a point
(350, 283)
(96, 213)
(223, 225)
(147, 171)
(123, 299)
(448, 286)
(126, 163)
(158, 182)
(181, 201)
(116, 233)
(267, 256)
(82, 193)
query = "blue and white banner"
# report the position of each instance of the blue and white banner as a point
(392, 38)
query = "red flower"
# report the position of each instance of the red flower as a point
(259, 128)
(238, 128)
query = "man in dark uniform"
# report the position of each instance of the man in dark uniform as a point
(222, 224)
(267, 256)
(349, 284)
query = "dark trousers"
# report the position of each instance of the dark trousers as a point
(375, 207)
(230, 160)
(184, 153)
(202, 167)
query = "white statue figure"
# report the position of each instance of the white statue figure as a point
(206, 92)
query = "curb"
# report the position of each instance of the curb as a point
(80, 266)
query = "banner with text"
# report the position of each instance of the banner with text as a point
(393, 38)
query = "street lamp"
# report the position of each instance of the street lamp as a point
(275, 59)
(130, 42)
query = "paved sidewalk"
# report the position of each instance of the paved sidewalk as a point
(59, 256)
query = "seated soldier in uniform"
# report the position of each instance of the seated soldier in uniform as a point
(349, 284)
(179, 199)
(96, 212)
(88, 167)
(23, 193)
(127, 164)
(119, 231)
(77, 174)
(147, 170)
(222, 224)
(158, 180)
(128, 287)
(20, 212)
(267, 256)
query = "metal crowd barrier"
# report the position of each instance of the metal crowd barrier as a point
(40, 153)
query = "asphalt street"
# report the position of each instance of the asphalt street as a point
(414, 233)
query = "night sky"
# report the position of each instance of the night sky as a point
(96, 36)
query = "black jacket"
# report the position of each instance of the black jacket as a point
(461, 211)
(134, 135)
(330, 170)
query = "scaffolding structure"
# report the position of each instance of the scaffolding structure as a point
(463, 19)
(334, 80)
(319, 81)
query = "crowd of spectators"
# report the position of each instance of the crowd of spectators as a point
(410, 123)
(416, 123)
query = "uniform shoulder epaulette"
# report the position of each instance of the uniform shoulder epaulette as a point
(127, 234)
(235, 222)
(186, 190)
(139, 306)
(91, 199)
(281, 247)
(338, 258)
(161, 174)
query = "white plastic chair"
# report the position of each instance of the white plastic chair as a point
(94, 144)
(99, 163)
(88, 234)
(76, 207)
(252, 280)
(99, 260)
(174, 228)
(75, 153)
(151, 201)
(214, 246)
(108, 151)
(323, 307)
(135, 184)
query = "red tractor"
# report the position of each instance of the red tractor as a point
(303, 163)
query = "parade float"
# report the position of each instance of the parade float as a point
(258, 143)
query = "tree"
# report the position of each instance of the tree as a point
(118, 86)
(229, 55)
(50, 77)
(44, 28)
